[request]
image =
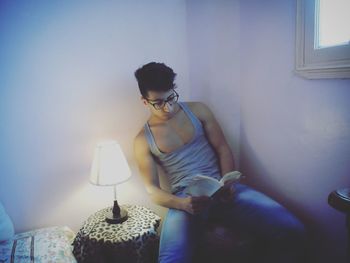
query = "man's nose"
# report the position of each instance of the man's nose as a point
(167, 107)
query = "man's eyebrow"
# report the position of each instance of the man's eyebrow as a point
(163, 99)
(156, 100)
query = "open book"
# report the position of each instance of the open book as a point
(208, 186)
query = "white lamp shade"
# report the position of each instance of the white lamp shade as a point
(109, 166)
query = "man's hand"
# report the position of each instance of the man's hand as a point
(227, 192)
(195, 204)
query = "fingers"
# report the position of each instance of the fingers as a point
(227, 194)
(198, 203)
(229, 183)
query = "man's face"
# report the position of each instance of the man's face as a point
(162, 104)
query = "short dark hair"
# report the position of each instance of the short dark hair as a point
(155, 77)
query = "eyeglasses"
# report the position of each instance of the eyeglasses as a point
(160, 104)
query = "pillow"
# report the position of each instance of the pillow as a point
(52, 244)
(6, 226)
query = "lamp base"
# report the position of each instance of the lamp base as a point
(117, 218)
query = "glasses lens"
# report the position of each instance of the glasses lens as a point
(171, 99)
(159, 105)
(176, 97)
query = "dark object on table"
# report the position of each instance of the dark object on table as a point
(117, 215)
(340, 200)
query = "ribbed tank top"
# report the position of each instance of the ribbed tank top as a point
(195, 157)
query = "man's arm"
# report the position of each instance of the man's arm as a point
(215, 136)
(149, 174)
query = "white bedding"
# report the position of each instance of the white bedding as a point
(43, 245)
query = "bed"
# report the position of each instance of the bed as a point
(44, 245)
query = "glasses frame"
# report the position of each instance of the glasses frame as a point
(167, 100)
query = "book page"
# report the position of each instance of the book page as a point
(234, 176)
(203, 185)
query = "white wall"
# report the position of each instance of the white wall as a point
(295, 133)
(213, 51)
(67, 83)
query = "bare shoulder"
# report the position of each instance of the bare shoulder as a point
(201, 110)
(140, 141)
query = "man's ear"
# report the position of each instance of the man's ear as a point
(144, 101)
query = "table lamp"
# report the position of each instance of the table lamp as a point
(110, 168)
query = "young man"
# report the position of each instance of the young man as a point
(186, 140)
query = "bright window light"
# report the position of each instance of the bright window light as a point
(333, 23)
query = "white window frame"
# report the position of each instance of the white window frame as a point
(331, 62)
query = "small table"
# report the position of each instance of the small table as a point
(135, 240)
(340, 200)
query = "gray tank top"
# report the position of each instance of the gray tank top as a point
(195, 157)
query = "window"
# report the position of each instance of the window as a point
(323, 38)
(332, 14)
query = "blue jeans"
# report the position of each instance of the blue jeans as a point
(280, 235)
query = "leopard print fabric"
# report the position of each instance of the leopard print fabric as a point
(135, 240)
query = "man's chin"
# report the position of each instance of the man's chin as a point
(167, 115)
